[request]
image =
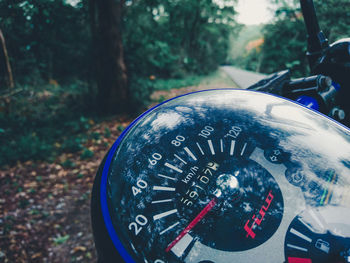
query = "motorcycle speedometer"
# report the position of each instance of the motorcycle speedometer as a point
(225, 176)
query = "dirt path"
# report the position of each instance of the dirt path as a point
(243, 78)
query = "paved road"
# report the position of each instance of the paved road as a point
(243, 78)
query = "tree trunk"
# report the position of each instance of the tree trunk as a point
(10, 81)
(113, 92)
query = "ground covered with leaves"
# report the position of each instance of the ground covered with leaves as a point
(45, 207)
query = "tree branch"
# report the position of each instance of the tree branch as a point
(11, 82)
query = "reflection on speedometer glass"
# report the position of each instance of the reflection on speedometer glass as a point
(226, 176)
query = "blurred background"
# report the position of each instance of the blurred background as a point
(74, 73)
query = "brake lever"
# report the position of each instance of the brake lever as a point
(273, 84)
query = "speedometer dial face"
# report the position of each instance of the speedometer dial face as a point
(222, 176)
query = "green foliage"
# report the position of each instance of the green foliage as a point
(95, 135)
(86, 154)
(167, 84)
(242, 53)
(289, 34)
(72, 144)
(107, 133)
(285, 42)
(285, 46)
(251, 60)
(140, 90)
(31, 145)
(172, 38)
(61, 239)
(68, 164)
(81, 125)
(23, 203)
(242, 56)
(239, 42)
(46, 39)
(51, 55)
(334, 16)
(51, 40)
(46, 121)
(120, 128)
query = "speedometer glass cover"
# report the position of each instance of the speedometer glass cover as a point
(225, 176)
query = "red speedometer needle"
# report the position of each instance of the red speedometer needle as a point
(194, 222)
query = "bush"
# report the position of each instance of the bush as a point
(26, 147)
(86, 154)
(44, 122)
(140, 90)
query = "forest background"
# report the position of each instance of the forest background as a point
(67, 62)
(74, 73)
